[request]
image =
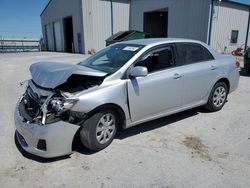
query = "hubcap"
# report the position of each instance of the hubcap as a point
(105, 128)
(219, 96)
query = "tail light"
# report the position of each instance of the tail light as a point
(237, 64)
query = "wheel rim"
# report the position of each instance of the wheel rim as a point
(219, 96)
(105, 128)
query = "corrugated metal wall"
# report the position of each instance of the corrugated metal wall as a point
(121, 11)
(228, 17)
(186, 18)
(97, 21)
(101, 13)
(55, 12)
(87, 25)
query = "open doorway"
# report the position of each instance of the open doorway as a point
(68, 34)
(156, 23)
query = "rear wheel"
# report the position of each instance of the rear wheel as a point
(99, 130)
(217, 97)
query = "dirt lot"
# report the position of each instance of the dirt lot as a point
(189, 149)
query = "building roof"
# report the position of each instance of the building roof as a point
(45, 7)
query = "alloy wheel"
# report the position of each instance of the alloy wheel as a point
(219, 96)
(105, 128)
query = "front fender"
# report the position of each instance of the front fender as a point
(114, 92)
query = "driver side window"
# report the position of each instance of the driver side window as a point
(157, 60)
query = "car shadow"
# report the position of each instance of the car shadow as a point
(158, 123)
(243, 72)
(121, 134)
(144, 127)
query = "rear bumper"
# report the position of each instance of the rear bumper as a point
(56, 138)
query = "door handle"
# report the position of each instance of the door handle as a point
(213, 67)
(176, 76)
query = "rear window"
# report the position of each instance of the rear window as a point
(192, 53)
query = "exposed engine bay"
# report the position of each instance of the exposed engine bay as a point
(50, 94)
(44, 106)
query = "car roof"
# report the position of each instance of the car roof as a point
(150, 42)
(157, 41)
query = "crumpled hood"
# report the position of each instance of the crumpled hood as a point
(52, 74)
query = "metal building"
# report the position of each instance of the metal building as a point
(82, 26)
(230, 26)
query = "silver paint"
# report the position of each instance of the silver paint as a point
(58, 145)
(141, 98)
(51, 74)
(219, 96)
(105, 128)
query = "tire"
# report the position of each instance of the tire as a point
(217, 97)
(98, 130)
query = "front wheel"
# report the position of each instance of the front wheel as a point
(217, 97)
(99, 130)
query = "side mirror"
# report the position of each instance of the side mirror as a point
(139, 71)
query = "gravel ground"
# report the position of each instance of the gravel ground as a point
(189, 149)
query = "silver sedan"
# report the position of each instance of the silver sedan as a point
(122, 85)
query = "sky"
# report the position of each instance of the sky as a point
(243, 1)
(21, 18)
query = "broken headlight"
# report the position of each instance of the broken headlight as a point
(54, 106)
(61, 108)
(59, 105)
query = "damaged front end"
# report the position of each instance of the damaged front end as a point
(43, 106)
(50, 94)
(44, 117)
(45, 122)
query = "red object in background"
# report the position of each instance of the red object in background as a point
(237, 52)
(237, 64)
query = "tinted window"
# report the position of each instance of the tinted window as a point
(157, 60)
(192, 53)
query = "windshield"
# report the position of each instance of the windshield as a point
(112, 58)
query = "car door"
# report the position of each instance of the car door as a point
(199, 72)
(158, 92)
